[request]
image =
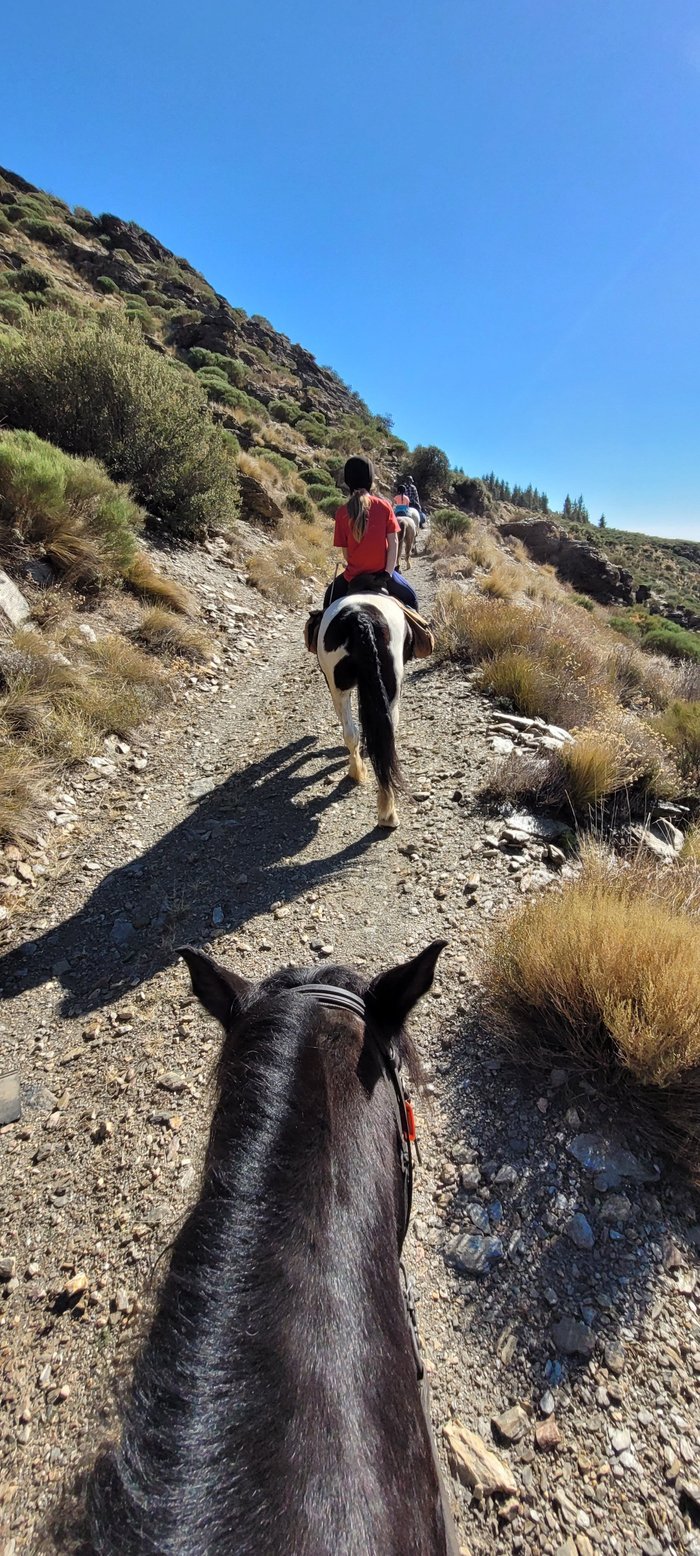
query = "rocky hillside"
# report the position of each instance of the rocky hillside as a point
(270, 392)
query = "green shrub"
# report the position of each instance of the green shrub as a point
(451, 522)
(473, 493)
(286, 467)
(430, 469)
(44, 231)
(231, 442)
(319, 492)
(585, 603)
(106, 284)
(285, 410)
(87, 524)
(673, 641)
(12, 309)
(317, 475)
(30, 279)
(313, 431)
(231, 367)
(298, 502)
(330, 503)
(92, 386)
(5, 223)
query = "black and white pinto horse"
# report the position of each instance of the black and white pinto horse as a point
(364, 641)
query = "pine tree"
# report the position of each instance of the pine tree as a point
(602, 522)
(567, 508)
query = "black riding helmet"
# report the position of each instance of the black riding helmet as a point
(358, 474)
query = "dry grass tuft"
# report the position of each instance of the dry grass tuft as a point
(23, 780)
(606, 975)
(145, 580)
(269, 575)
(163, 632)
(690, 852)
(520, 678)
(502, 582)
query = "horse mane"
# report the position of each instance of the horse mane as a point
(208, 1460)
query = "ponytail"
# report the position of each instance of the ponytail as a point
(358, 512)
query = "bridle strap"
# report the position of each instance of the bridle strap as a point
(335, 998)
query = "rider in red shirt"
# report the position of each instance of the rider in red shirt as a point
(366, 529)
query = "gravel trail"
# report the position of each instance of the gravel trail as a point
(230, 823)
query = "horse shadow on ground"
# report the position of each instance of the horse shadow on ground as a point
(234, 856)
(640, 1265)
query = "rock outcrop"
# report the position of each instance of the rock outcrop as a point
(577, 562)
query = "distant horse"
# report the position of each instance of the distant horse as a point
(364, 641)
(275, 1404)
(409, 524)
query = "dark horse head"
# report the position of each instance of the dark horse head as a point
(275, 1404)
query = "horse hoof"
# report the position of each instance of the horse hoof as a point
(358, 772)
(389, 821)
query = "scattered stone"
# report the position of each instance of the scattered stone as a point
(470, 1177)
(10, 1106)
(511, 1425)
(75, 1286)
(620, 1440)
(609, 1162)
(13, 605)
(580, 1231)
(123, 931)
(8, 1269)
(547, 1435)
(506, 1176)
(87, 632)
(474, 1254)
(573, 1337)
(569, 1548)
(616, 1209)
(501, 747)
(172, 1080)
(476, 1465)
(547, 1403)
(614, 1356)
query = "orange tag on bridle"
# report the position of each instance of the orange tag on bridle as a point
(410, 1121)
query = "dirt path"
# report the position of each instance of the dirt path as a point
(241, 831)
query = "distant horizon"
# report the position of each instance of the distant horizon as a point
(498, 242)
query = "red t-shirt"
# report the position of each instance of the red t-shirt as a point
(367, 555)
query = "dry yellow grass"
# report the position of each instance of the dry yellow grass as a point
(23, 780)
(519, 677)
(268, 574)
(145, 580)
(690, 852)
(503, 581)
(606, 974)
(165, 633)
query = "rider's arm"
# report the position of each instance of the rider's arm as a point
(392, 552)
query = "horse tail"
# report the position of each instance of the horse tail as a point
(375, 710)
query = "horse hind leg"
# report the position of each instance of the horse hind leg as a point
(387, 815)
(351, 735)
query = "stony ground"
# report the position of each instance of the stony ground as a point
(231, 822)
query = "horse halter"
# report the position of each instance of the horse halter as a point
(335, 998)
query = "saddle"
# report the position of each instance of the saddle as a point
(421, 632)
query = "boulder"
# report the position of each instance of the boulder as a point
(257, 505)
(578, 561)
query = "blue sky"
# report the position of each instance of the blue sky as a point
(483, 213)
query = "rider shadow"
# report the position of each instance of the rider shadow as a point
(233, 857)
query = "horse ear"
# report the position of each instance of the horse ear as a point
(221, 992)
(393, 994)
